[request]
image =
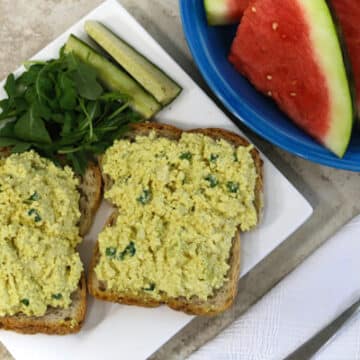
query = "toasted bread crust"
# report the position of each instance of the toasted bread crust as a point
(58, 321)
(222, 298)
(90, 189)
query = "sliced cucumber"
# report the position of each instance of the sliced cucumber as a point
(114, 78)
(154, 80)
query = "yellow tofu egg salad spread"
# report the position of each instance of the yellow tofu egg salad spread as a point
(39, 207)
(180, 204)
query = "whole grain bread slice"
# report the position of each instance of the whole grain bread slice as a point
(223, 297)
(56, 320)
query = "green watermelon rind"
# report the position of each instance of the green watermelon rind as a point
(217, 12)
(330, 57)
(347, 60)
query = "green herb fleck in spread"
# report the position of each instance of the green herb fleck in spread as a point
(233, 187)
(214, 157)
(25, 302)
(130, 251)
(186, 156)
(151, 287)
(145, 197)
(37, 217)
(110, 251)
(212, 180)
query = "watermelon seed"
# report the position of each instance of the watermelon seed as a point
(253, 9)
(269, 77)
(292, 94)
(269, 93)
(275, 25)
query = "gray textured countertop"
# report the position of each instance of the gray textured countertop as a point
(27, 26)
(4, 355)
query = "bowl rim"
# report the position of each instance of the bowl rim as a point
(191, 24)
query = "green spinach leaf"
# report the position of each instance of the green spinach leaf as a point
(31, 127)
(86, 82)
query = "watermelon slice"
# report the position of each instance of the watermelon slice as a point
(289, 49)
(223, 12)
(348, 13)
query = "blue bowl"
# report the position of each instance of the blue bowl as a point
(210, 47)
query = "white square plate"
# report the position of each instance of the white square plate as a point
(113, 331)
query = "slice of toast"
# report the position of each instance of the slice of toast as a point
(56, 320)
(223, 297)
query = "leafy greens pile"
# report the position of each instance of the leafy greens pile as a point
(58, 108)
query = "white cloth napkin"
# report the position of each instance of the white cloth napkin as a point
(304, 302)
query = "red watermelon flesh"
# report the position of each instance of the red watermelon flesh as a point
(348, 13)
(274, 50)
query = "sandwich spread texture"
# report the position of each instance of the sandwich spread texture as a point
(39, 206)
(180, 204)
